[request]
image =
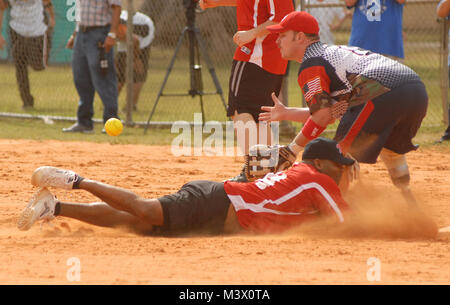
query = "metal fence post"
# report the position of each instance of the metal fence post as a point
(130, 63)
(444, 70)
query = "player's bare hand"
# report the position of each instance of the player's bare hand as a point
(354, 170)
(241, 38)
(274, 113)
(349, 175)
(70, 42)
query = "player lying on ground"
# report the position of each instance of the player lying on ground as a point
(275, 203)
(340, 82)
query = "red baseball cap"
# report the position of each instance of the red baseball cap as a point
(296, 21)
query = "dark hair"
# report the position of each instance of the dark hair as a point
(309, 36)
(312, 36)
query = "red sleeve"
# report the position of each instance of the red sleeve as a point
(314, 83)
(279, 9)
(313, 80)
(328, 200)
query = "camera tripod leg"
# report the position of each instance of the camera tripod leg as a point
(211, 69)
(166, 77)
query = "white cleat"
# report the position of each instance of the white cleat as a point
(49, 176)
(41, 207)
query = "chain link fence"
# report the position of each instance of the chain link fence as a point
(170, 91)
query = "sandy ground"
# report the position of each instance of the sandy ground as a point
(384, 237)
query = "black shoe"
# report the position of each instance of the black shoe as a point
(242, 178)
(445, 137)
(78, 128)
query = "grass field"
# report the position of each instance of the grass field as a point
(55, 93)
(39, 130)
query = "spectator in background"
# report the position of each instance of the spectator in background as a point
(143, 35)
(29, 41)
(329, 18)
(443, 11)
(94, 37)
(377, 26)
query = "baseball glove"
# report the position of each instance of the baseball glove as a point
(264, 159)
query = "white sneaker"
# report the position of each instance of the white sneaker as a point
(41, 207)
(49, 176)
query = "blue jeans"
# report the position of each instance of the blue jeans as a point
(89, 79)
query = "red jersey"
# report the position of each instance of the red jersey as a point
(280, 201)
(262, 51)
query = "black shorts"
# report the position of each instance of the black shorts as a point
(394, 122)
(251, 87)
(198, 207)
(121, 66)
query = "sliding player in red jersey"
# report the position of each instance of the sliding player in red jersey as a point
(279, 201)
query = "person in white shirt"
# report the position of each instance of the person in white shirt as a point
(29, 42)
(143, 35)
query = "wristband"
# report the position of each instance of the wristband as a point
(311, 130)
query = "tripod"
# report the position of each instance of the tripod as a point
(196, 48)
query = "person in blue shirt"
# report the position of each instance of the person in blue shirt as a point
(377, 26)
(443, 11)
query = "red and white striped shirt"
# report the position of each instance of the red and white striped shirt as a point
(263, 51)
(283, 200)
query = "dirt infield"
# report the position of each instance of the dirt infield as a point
(404, 242)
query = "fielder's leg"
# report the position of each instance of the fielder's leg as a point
(250, 133)
(399, 172)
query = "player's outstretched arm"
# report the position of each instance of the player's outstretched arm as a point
(280, 112)
(204, 4)
(243, 37)
(313, 127)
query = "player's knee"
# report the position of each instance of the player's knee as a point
(149, 211)
(397, 167)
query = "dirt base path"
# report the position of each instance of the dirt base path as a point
(402, 242)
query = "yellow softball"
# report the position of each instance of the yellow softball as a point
(113, 127)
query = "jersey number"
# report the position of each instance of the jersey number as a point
(270, 179)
